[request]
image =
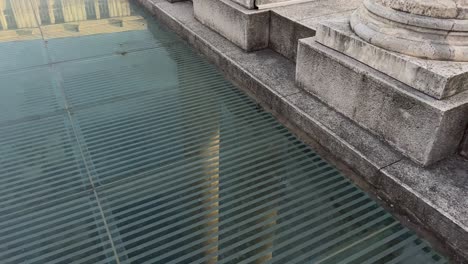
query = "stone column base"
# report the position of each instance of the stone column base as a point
(438, 79)
(422, 128)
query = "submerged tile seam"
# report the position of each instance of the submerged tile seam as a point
(165, 45)
(27, 68)
(101, 211)
(30, 118)
(96, 196)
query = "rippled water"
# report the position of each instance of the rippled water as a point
(118, 144)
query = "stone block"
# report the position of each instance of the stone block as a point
(438, 79)
(285, 34)
(420, 127)
(248, 29)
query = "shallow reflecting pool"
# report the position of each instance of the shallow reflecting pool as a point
(118, 144)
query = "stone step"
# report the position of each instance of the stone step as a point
(291, 23)
(264, 4)
(278, 28)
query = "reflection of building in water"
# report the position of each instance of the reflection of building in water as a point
(19, 19)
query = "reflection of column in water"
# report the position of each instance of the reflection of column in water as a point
(97, 9)
(50, 9)
(208, 135)
(211, 168)
(35, 7)
(24, 13)
(270, 236)
(118, 8)
(74, 10)
(3, 20)
(243, 205)
(201, 137)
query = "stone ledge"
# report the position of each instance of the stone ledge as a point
(422, 128)
(439, 196)
(439, 79)
(333, 135)
(316, 8)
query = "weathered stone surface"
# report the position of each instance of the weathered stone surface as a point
(173, 1)
(316, 8)
(260, 4)
(246, 28)
(432, 8)
(285, 34)
(314, 22)
(422, 128)
(444, 189)
(347, 141)
(249, 4)
(291, 23)
(439, 79)
(464, 146)
(422, 28)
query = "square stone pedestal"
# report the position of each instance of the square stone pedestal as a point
(438, 79)
(419, 126)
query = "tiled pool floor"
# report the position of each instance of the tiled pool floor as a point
(118, 144)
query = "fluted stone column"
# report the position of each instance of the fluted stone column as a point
(432, 29)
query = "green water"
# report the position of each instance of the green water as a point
(118, 144)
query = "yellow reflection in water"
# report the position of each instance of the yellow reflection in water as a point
(73, 10)
(35, 19)
(211, 204)
(24, 13)
(212, 191)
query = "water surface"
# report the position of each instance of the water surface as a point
(118, 144)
